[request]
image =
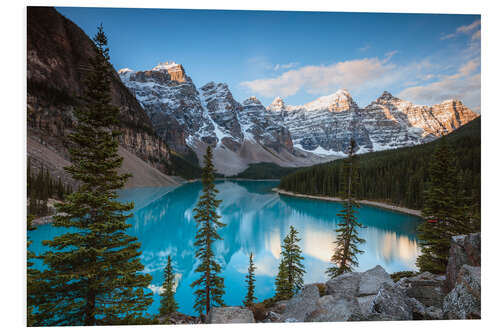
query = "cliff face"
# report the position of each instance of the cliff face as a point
(327, 124)
(436, 120)
(57, 59)
(189, 118)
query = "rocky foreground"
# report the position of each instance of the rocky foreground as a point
(374, 296)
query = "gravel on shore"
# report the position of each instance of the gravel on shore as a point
(363, 202)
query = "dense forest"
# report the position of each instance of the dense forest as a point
(398, 176)
(265, 170)
(40, 187)
(185, 166)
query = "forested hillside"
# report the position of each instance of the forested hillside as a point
(265, 170)
(398, 176)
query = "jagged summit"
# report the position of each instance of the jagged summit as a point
(341, 100)
(278, 104)
(125, 70)
(386, 96)
(251, 100)
(166, 66)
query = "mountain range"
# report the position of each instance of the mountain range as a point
(288, 135)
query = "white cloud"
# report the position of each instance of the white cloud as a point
(464, 85)
(470, 27)
(277, 67)
(350, 74)
(465, 29)
(476, 35)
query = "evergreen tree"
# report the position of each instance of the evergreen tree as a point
(446, 211)
(282, 285)
(346, 245)
(291, 271)
(250, 280)
(168, 303)
(93, 274)
(210, 285)
(31, 277)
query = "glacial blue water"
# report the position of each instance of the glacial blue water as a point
(257, 220)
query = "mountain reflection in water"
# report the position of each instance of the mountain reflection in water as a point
(257, 220)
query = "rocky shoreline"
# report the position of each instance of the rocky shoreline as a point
(372, 296)
(363, 202)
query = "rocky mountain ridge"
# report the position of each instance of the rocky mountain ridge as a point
(58, 53)
(248, 132)
(189, 118)
(326, 124)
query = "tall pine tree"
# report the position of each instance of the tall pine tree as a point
(446, 212)
(250, 280)
(93, 273)
(282, 285)
(346, 245)
(291, 271)
(168, 305)
(210, 284)
(32, 278)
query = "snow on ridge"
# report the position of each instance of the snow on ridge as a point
(125, 70)
(321, 151)
(165, 66)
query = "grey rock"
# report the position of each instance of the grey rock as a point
(265, 127)
(464, 250)
(303, 304)
(464, 301)
(417, 308)
(279, 307)
(433, 313)
(336, 308)
(178, 318)
(346, 284)
(272, 317)
(392, 301)
(291, 320)
(366, 303)
(372, 280)
(427, 288)
(230, 315)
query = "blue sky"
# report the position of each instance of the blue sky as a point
(300, 56)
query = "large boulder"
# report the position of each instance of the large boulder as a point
(464, 250)
(178, 318)
(346, 284)
(336, 308)
(392, 302)
(230, 315)
(427, 288)
(371, 281)
(464, 301)
(366, 303)
(300, 306)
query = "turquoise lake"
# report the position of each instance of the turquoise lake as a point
(257, 220)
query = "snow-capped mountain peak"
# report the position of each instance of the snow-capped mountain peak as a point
(340, 101)
(278, 104)
(165, 66)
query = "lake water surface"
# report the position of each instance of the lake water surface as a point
(257, 221)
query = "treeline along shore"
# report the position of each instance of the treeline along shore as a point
(363, 202)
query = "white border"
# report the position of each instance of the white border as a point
(13, 143)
